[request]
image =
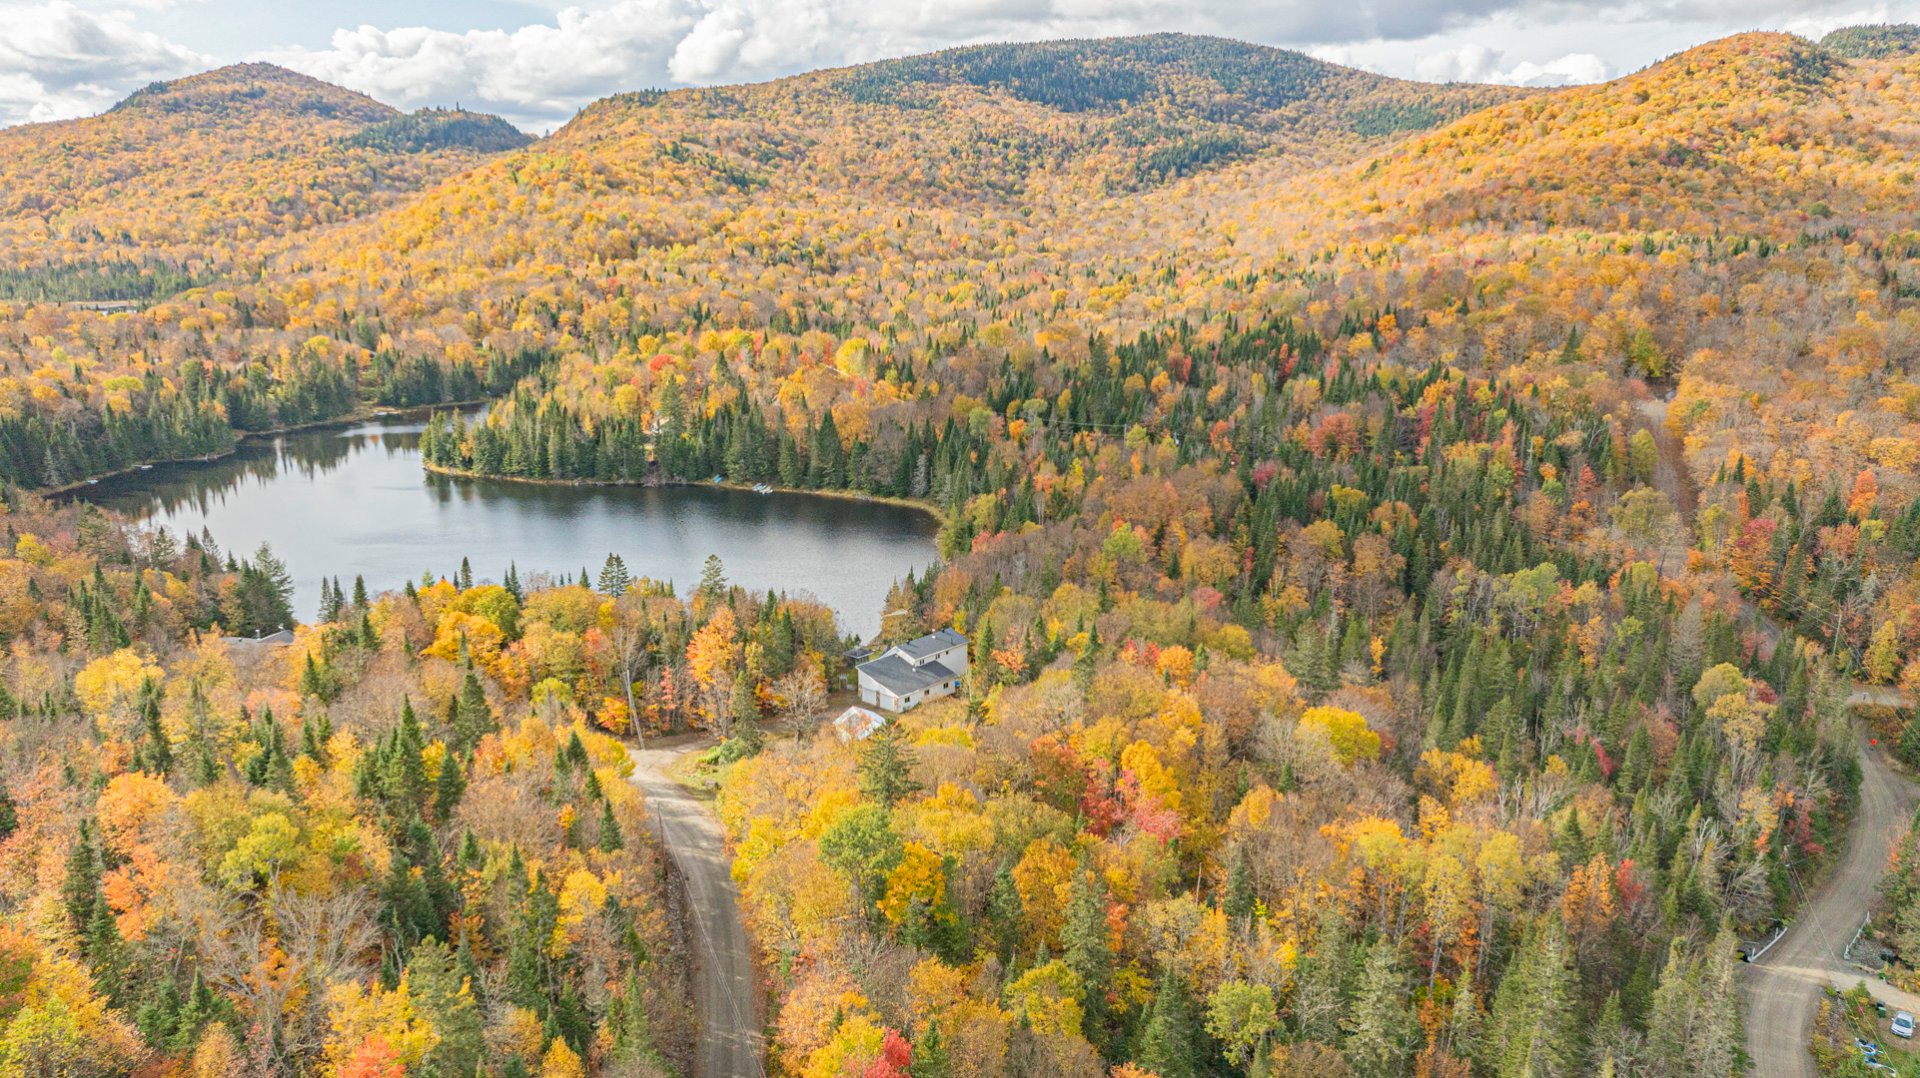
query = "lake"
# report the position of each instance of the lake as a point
(346, 500)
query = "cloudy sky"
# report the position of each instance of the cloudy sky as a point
(537, 62)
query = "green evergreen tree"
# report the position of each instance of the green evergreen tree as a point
(1085, 937)
(610, 838)
(1168, 1043)
(886, 767)
(614, 578)
(448, 787)
(931, 1057)
(1530, 1033)
(1380, 1028)
(438, 983)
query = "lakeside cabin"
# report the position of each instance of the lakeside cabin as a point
(908, 675)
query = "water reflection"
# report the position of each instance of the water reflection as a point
(355, 500)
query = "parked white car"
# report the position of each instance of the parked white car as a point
(1903, 1025)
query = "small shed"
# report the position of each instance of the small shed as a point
(858, 724)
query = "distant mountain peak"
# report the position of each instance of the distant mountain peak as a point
(257, 86)
(439, 129)
(1878, 41)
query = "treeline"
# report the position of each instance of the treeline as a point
(200, 409)
(411, 381)
(438, 129)
(95, 281)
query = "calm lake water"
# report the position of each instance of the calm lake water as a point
(355, 500)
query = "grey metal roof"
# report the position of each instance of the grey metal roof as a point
(900, 677)
(283, 637)
(930, 644)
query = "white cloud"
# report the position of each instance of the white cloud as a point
(58, 59)
(65, 57)
(536, 74)
(1820, 25)
(1479, 63)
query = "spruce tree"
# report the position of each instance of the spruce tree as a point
(614, 578)
(80, 891)
(886, 767)
(1238, 903)
(1167, 1044)
(931, 1058)
(611, 840)
(1531, 1033)
(448, 787)
(1380, 1028)
(1085, 936)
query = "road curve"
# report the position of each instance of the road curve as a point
(1784, 987)
(724, 987)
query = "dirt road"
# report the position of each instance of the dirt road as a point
(723, 978)
(1784, 986)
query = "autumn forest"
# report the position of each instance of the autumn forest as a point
(1439, 569)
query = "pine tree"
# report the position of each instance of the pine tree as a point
(1320, 980)
(439, 987)
(627, 1018)
(611, 840)
(614, 578)
(886, 767)
(1721, 1029)
(448, 787)
(1085, 936)
(1463, 1026)
(1670, 1018)
(1380, 1027)
(1167, 1044)
(1530, 1034)
(1238, 902)
(713, 579)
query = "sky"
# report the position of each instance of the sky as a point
(537, 63)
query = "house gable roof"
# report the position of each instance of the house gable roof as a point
(900, 677)
(931, 644)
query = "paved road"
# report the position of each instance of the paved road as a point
(723, 976)
(1784, 987)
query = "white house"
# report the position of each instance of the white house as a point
(907, 675)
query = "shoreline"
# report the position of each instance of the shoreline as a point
(939, 519)
(241, 438)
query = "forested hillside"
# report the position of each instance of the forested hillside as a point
(195, 174)
(810, 201)
(1744, 244)
(134, 323)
